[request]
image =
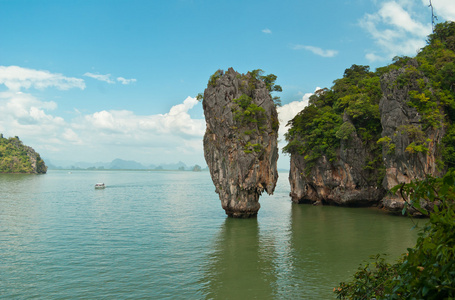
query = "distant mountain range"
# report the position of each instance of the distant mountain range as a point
(118, 164)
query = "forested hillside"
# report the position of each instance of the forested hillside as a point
(372, 130)
(15, 157)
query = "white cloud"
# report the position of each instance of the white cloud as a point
(267, 31)
(125, 81)
(124, 134)
(288, 111)
(176, 123)
(394, 14)
(23, 115)
(102, 135)
(105, 78)
(15, 78)
(443, 9)
(396, 30)
(317, 50)
(71, 136)
(372, 57)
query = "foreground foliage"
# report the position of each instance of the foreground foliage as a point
(427, 271)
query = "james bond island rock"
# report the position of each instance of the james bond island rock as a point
(374, 130)
(15, 157)
(240, 142)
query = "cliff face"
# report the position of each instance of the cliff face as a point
(372, 131)
(344, 181)
(240, 142)
(410, 149)
(403, 131)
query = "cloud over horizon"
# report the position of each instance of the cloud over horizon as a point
(94, 136)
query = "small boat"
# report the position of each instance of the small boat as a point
(99, 186)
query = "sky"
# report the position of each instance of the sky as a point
(93, 81)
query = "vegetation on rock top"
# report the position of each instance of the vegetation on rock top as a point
(319, 129)
(249, 118)
(15, 157)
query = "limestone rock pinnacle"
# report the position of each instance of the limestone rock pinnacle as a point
(240, 142)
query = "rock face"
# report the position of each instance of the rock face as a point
(240, 142)
(347, 182)
(402, 124)
(343, 182)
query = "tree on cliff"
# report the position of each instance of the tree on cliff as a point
(318, 129)
(396, 122)
(254, 77)
(15, 157)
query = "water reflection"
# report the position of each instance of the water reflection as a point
(238, 268)
(59, 237)
(329, 243)
(304, 253)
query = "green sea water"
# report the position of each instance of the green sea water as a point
(164, 235)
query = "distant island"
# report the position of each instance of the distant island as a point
(121, 164)
(15, 157)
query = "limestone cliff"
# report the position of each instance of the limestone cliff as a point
(372, 131)
(410, 146)
(410, 150)
(240, 142)
(344, 181)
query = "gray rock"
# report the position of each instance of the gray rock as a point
(346, 182)
(402, 166)
(241, 154)
(343, 182)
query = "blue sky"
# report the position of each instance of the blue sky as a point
(98, 80)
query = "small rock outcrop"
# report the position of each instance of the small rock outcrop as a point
(15, 157)
(240, 142)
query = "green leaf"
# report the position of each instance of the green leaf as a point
(425, 290)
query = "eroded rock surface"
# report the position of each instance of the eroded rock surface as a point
(410, 150)
(402, 124)
(344, 182)
(240, 142)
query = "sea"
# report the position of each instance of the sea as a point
(164, 235)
